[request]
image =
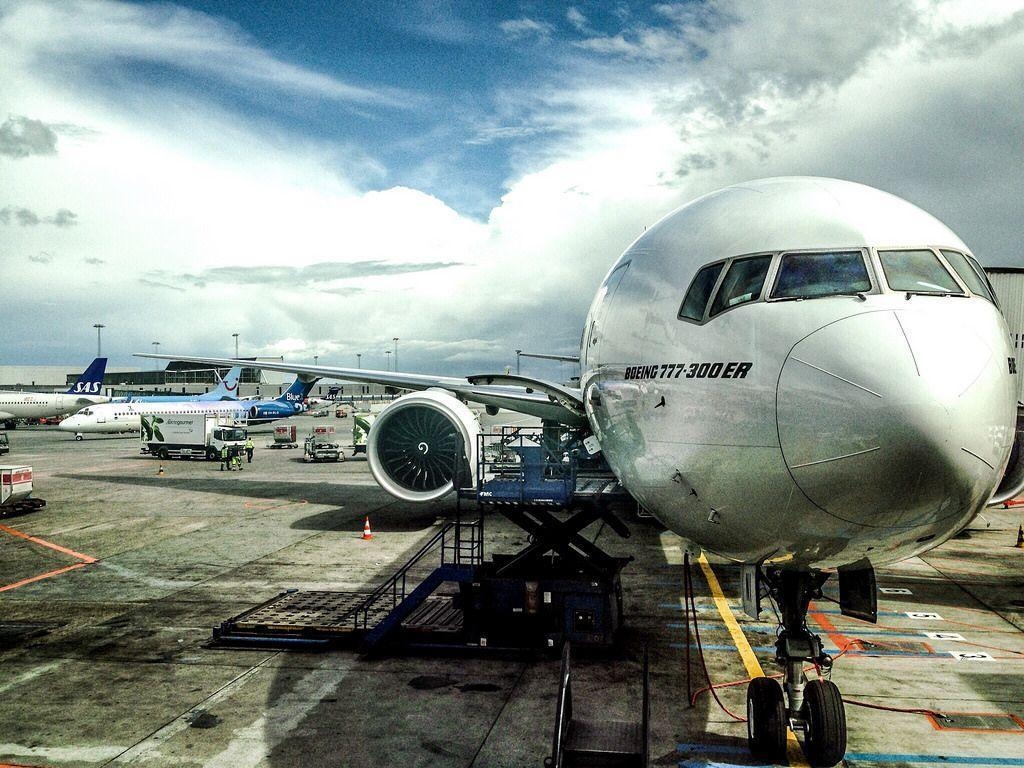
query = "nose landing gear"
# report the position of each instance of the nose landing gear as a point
(815, 707)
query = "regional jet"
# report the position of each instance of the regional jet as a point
(42, 405)
(803, 375)
(117, 417)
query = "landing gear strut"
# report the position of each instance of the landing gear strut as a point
(815, 707)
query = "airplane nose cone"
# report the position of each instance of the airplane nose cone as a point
(894, 418)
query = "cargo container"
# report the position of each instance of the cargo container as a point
(15, 490)
(285, 436)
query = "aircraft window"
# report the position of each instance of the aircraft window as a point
(810, 275)
(917, 271)
(984, 276)
(697, 296)
(742, 283)
(967, 273)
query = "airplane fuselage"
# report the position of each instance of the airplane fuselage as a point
(41, 405)
(813, 431)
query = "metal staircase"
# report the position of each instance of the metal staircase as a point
(580, 743)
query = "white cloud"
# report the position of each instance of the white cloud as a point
(920, 99)
(525, 27)
(95, 32)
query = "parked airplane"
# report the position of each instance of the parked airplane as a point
(126, 417)
(42, 405)
(803, 375)
(226, 390)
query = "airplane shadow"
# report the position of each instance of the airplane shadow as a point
(351, 502)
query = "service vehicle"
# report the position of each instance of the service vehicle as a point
(189, 435)
(5, 445)
(318, 449)
(15, 490)
(361, 423)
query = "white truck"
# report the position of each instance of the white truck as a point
(189, 435)
(15, 490)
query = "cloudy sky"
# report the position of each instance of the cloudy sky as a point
(322, 177)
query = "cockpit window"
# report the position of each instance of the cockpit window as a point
(742, 283)
(829, 273)
(697, 296)
(968, 273)
(918, 271)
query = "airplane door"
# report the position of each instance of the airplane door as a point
(600, 315)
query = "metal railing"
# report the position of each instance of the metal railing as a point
(453, 543)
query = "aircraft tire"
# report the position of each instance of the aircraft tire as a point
(79, 437)
(766, 719)
(163, 454)
(825, 742)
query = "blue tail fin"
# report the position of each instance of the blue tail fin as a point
(228, 387)
(91, 381)
(297, 392)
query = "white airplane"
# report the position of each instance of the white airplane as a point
(118, 417)
(803, 375)
(42, 405)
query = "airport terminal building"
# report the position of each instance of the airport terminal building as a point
(176, 378)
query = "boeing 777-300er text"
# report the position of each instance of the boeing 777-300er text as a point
(43, 405)
(806, 376)
(110, 418)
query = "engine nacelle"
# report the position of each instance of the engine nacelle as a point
(263, 412)
(1012, 484)
(418, 443)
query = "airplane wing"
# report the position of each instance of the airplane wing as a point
(536, 397)
(560, 358)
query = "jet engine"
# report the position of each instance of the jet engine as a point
(418, 444)
(264, 412)
(1012, 484)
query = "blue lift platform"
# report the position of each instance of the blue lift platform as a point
(561, 587)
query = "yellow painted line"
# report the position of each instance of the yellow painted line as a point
(794, 754)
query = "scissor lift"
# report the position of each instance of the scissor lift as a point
(559, 587)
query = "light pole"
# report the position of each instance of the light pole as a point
(396, 353)
(359, 359)
(315, 358)
(99, 348)
(388, 358)
(236, 344)
(518, 353)
(156, 350)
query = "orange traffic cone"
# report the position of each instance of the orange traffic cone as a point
(367, 534)
(1020, 537)
(161, 470)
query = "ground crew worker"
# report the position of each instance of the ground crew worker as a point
(224, 457)
(236, 457)
(249, 449)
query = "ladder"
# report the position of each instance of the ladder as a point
(580, 743)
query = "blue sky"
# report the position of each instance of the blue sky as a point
(320, 178)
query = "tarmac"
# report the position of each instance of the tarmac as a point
(109, 594)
